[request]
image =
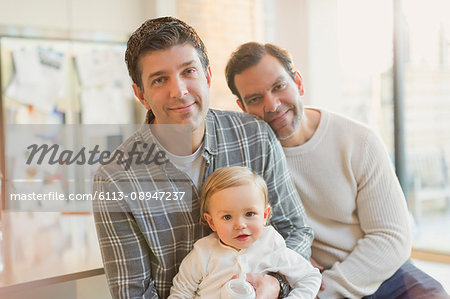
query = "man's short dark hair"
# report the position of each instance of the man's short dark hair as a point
(159, 34)
(250, 54)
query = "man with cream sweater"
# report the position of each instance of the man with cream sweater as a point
(344, 177)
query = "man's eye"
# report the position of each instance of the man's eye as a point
(190, 71)
(250, 214)
(280, 86)
(158, 81)
(252, 101)
(226, 217)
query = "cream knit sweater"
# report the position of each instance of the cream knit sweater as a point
(354, 204)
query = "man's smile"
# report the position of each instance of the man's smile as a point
(183, 108)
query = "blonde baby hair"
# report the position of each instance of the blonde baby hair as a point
(227, 177)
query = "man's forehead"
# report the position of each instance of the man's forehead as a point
(174, 56)
(265, 73)
(271, 66)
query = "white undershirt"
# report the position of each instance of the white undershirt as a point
(190, 164)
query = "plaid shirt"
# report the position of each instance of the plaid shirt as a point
(144, 241)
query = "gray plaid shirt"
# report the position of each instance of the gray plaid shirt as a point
(144, 241)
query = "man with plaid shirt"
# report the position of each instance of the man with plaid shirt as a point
(152, 225)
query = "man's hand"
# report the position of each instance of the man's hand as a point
(316, 265)
(266, 286)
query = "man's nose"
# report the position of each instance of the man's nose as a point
(178, 88)
(271, 103)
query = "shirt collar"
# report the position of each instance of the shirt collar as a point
(210, 138)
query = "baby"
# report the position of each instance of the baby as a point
(234, 204)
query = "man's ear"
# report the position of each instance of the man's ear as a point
(208, 75)
(241, 105)
(140, 95)
(299, 82)
(210, 221)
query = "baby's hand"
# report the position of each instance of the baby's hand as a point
(323, 286)
(266, 286)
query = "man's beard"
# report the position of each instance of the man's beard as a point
(296, 124)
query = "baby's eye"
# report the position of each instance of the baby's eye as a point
(226, 217)
(250, 214)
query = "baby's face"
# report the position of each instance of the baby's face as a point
(238, 215)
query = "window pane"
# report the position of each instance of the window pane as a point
(427, 117)
(365, 52)
(366, 59)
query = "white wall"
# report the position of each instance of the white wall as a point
(110, 16)
(308, 30)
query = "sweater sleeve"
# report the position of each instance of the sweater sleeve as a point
(383, 217)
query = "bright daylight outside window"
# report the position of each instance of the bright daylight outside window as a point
(365, 30)
(427, 117)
